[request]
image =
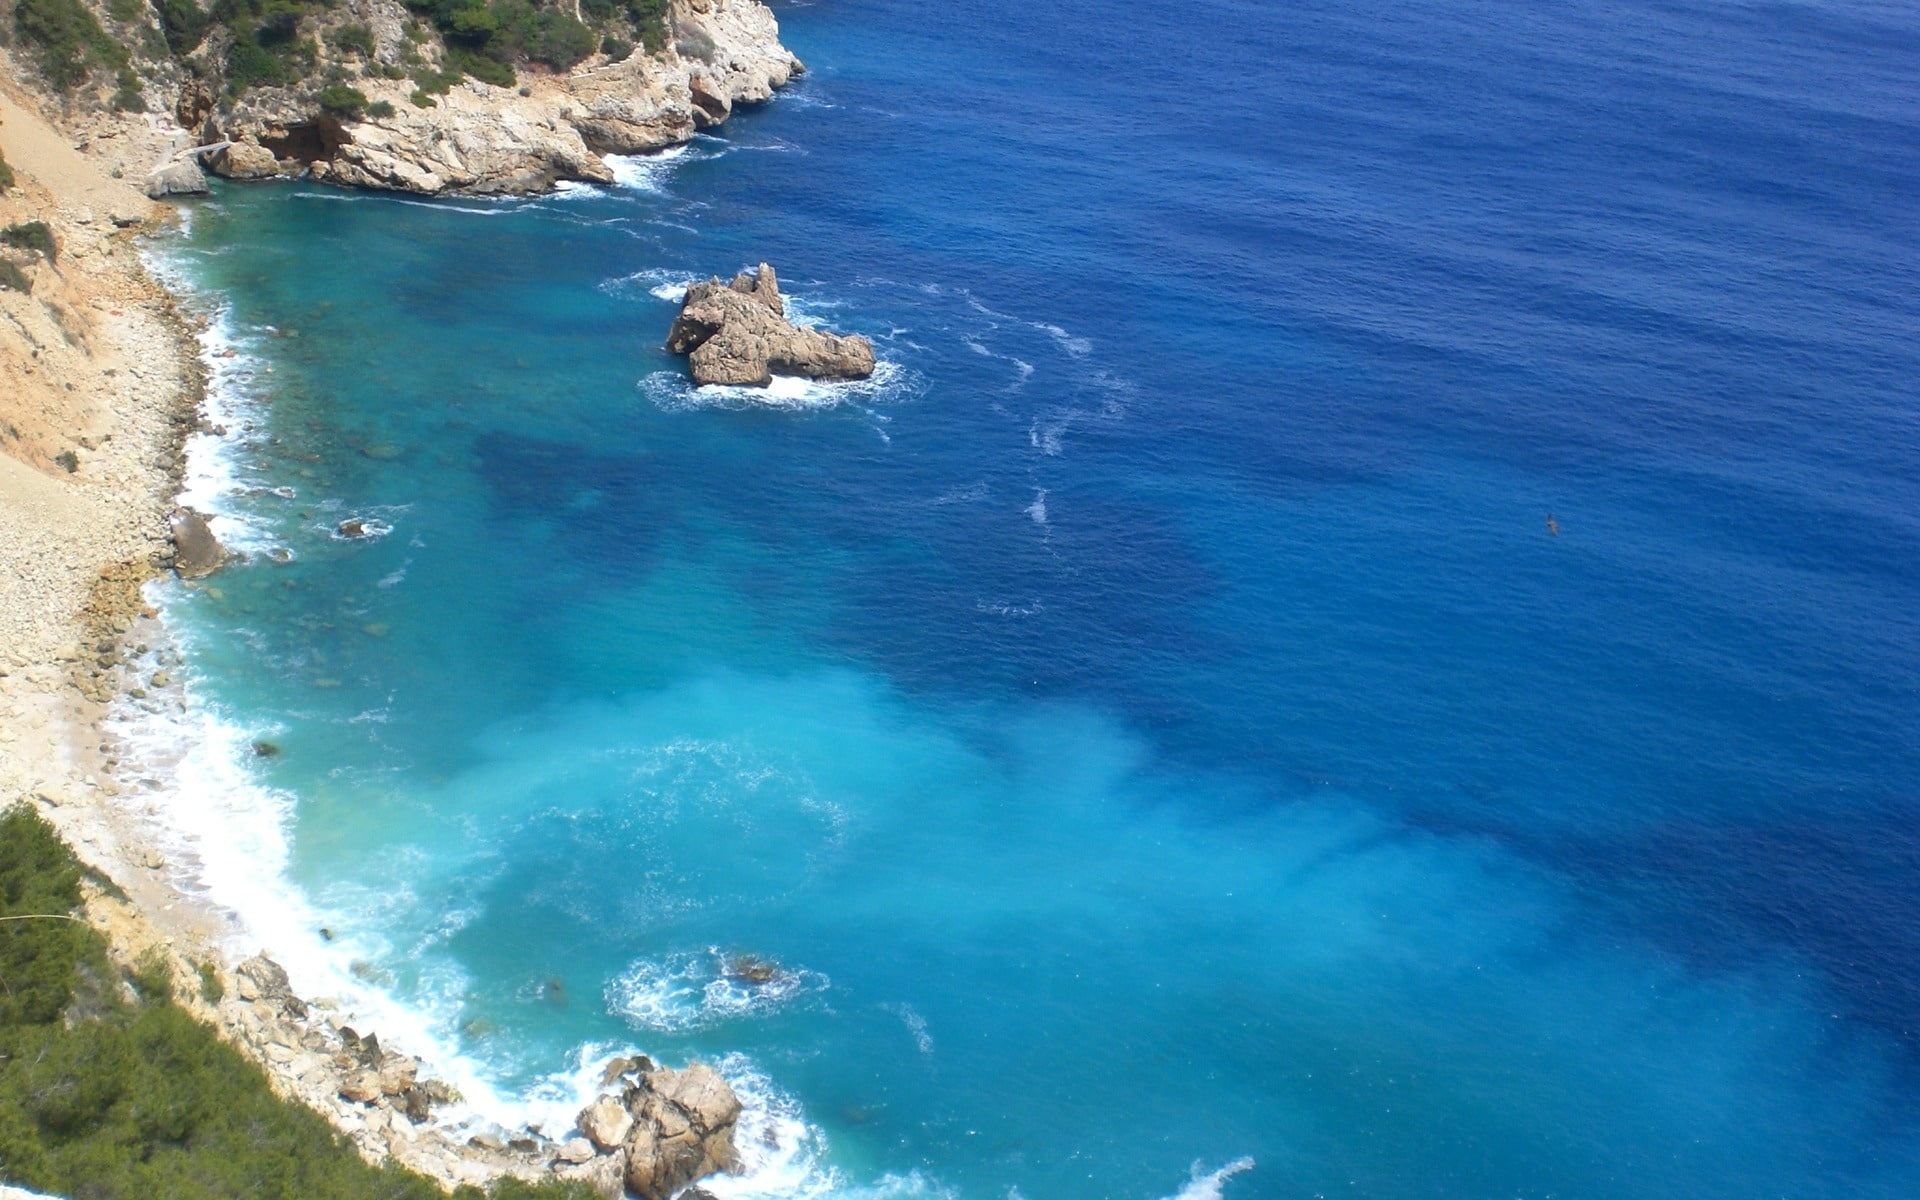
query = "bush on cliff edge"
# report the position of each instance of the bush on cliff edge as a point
(109, 1089)
(67, 40)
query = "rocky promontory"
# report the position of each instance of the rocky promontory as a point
(738, 333)
(479, 138)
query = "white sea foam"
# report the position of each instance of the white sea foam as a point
(695, 991)
(916, 1025)
(658, 282)
(645, 172)
(226, 834)
(672, 391)
(1205, 1185)
(1038, 509)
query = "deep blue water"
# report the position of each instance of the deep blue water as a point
(1160, 723)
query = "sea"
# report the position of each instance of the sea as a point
(1364, 640)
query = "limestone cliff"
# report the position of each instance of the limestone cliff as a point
(478, 138)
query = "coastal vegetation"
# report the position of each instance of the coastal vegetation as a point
(31, 235)
(291, 43)
(109, 1087)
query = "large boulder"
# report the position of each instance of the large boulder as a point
(244, 160)
(196, 552)
(738, 333)
(606, 1122)
(262, 980)
(664, 1132)
(181, 177)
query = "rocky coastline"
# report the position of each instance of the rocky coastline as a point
(103, 384)
(478, 138)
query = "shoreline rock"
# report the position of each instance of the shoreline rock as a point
(738, 333)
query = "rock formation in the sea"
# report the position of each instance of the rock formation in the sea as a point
(479, 139)
(738, 333)
(196, 552)
(662, 1132)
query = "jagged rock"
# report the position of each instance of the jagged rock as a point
(606, 1122)
(616, 1067)
(363, 1050)
(196, 552)
(244, 160)
(701, 1093)
(682, 1130)
(397, 1074)
(738, 334)
(262, 980)
(418, 1105)
(712, 104)
(194, 103)
(182, 177)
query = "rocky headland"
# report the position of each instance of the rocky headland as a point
(470, 136)
(738, 333)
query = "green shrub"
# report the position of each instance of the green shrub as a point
(69, 460)
(486, 70)
(185, 24)
(211, 989)
(31, 235)
(421, 99)
(13, 279)
(128, 95)
(380, 109)
(67, 40)
(558, 40)
(343, 100)
(617, 49)
(6, 174)
(352, 39)
(152, 975)
(126, 10)
(102, 1097)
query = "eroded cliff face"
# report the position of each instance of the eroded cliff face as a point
(479, 139)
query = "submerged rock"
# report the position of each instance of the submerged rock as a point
(751, 968)
(738, 333)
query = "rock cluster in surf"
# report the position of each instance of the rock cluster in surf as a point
(650, 1134)
(663, 1130)
(738, 333)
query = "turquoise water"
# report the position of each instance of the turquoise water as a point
(1153, 725)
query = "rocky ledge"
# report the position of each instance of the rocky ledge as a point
(738, 333)
(478, 139)
(650, 1133)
